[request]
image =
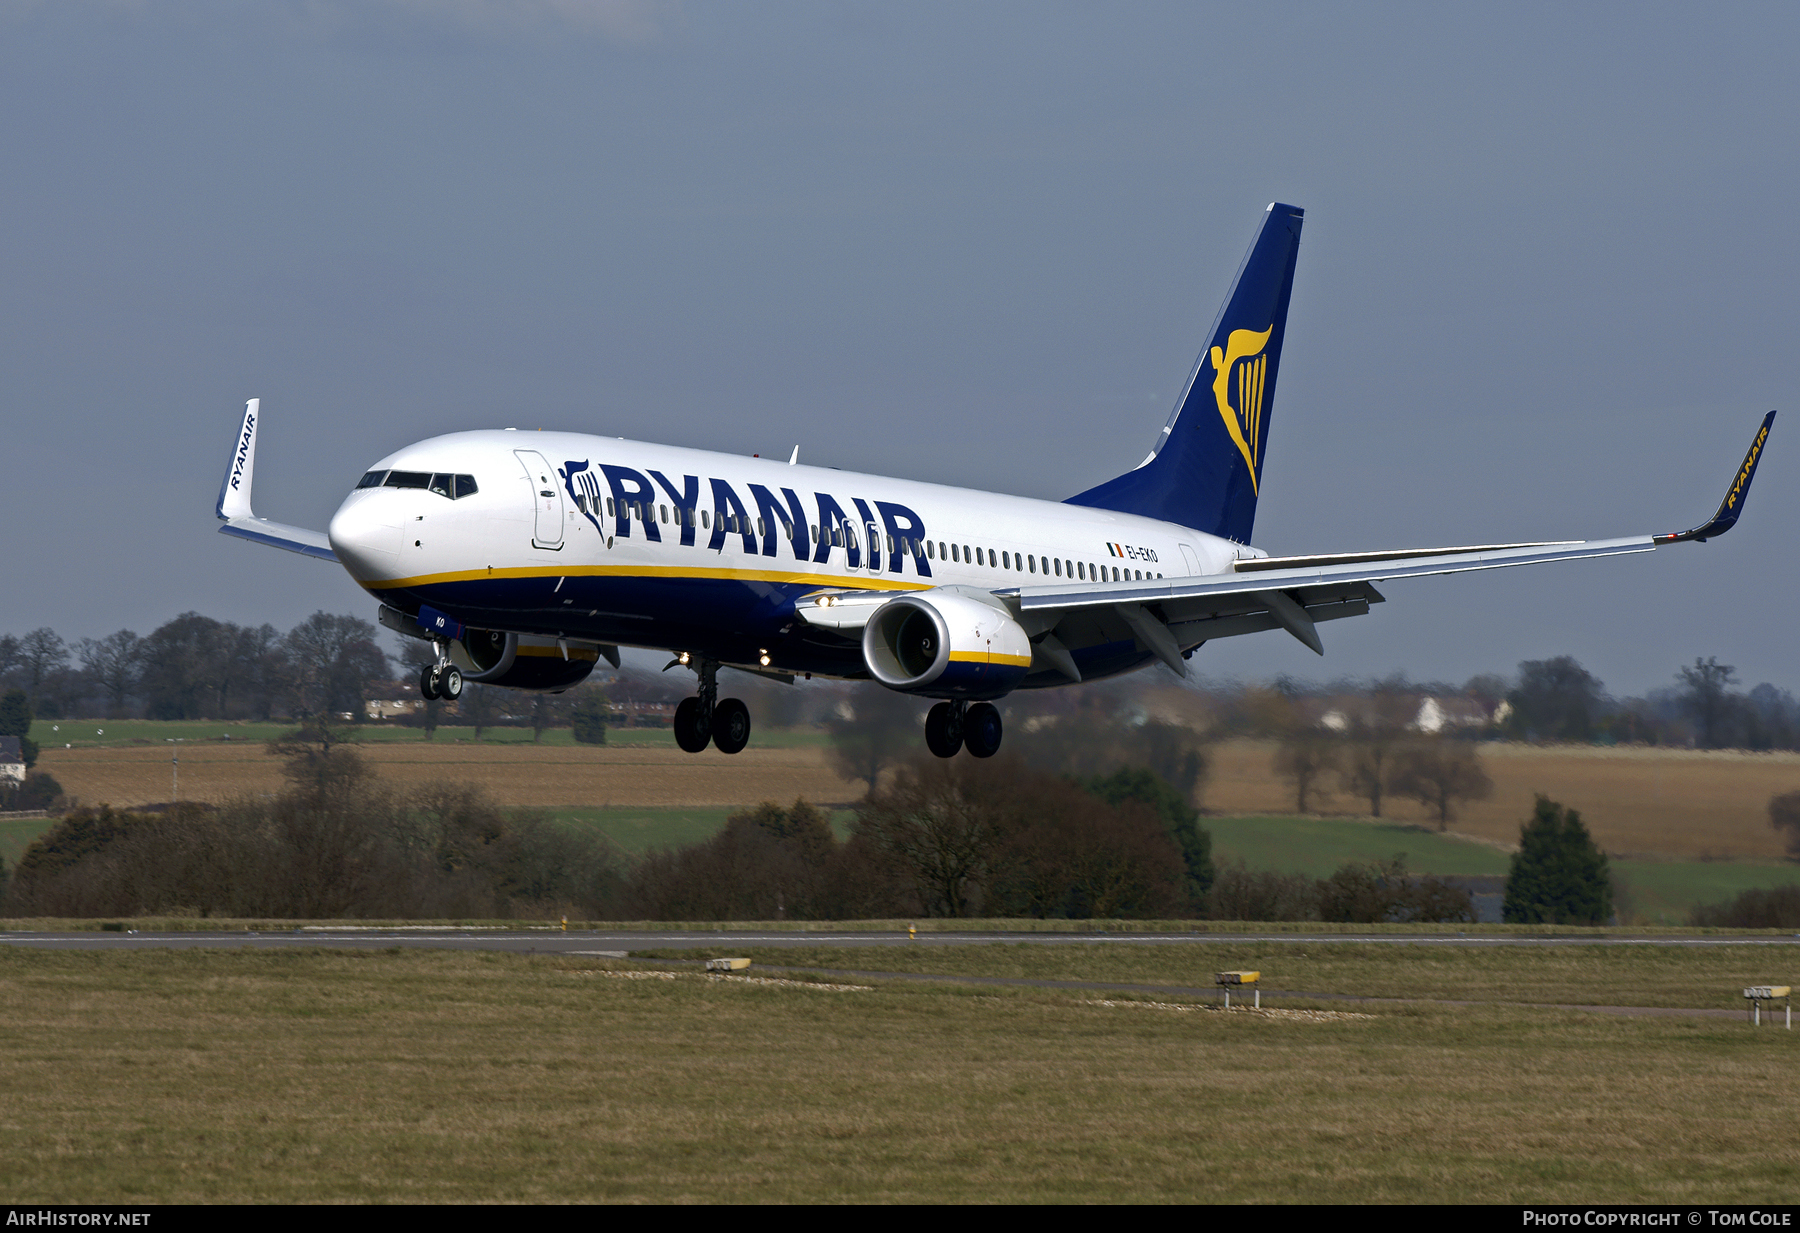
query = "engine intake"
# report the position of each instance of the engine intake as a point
(945, 645)
(521, 661)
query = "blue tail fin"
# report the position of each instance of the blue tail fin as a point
(1206, 467)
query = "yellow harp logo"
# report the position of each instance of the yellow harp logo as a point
(1243, 351)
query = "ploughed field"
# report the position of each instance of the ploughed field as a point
(516, 775)
(1675, 804)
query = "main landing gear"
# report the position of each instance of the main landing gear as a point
(442, 680)
(706, 719)
(956, 725)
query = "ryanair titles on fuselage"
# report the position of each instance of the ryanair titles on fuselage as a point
(626, 496)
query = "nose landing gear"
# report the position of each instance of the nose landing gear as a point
(951, 726)
(705, 719)
(442, 680)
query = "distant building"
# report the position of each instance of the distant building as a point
(12, 760)
(1437, 714)
(396, 705)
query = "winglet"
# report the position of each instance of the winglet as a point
(233, 508)
(234, 490)
(1733, 505)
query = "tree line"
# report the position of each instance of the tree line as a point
(196, 667)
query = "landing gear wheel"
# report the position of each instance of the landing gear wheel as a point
(449, 683)
(731, 726)
(943, 730)
(981, 730)
(691, 733)
(428, 684)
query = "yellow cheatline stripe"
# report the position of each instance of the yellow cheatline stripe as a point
(854, 582)
(983, 657)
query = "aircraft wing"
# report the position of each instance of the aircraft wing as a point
(281, 535)
(1171, 616)
(234, 500)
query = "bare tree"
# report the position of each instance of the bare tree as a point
(1706, 697)
(547, 711)
(1441, 774)
(940, 825)
(477, 706)
(178, 666)
(112, 663)
(882, 730)
(42, 652)
(334, 659)
(1376, 730)
(1304, 759)
(1784, 816)
(1556, 700)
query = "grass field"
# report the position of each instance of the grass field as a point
(1647, 891)
(1663, 892)
(16, 835)
(1317, 846)
(1634, 975)
(308, 1076)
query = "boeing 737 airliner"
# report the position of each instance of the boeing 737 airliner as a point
(526, 558)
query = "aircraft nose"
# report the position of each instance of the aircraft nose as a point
(365, 537)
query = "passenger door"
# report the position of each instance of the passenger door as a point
(546, 497)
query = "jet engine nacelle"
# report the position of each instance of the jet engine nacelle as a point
(521, 661)
(945, 645)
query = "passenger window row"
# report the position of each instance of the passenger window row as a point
(452, 486)
(1030, 563)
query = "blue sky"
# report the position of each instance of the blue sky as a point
(1545, 289)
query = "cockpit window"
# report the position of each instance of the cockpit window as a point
(442, 483)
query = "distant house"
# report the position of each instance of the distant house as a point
(12, 760)
(1437, 714)
(396, 705)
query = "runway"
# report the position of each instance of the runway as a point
(616, 942)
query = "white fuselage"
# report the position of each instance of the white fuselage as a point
(615, 541)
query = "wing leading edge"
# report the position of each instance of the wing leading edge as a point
(1172, 616)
